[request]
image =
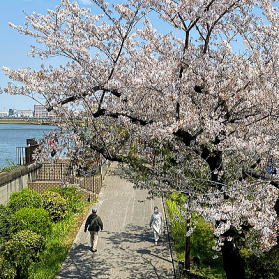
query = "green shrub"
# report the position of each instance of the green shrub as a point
(71, 194)
(6, 218)
(177, 222)
(58, 244)
(265, 266)
(25, 198)
(21, 250)
(202, 241)
(55, 205)
(33, 219)
(202, 238)
(7, 270)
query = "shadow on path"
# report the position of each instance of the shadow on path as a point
(125, 249)
(129, 254)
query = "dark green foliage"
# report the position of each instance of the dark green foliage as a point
(265, 266)
(33, 219)
(23, 249)
(202, 241)
(23, 233)
(71, 194)
(25, 198)
(55, 205)
(6, 218)
(7, 270)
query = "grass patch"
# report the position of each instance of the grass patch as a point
(17, 122)
(34, 122)
(210, 272)
(58, 244)
(202, 240)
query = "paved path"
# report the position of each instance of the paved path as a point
(125, 248)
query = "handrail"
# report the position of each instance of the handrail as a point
(24, 155)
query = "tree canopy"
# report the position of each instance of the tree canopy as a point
(191, 105)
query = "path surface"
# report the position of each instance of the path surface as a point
(125, 249)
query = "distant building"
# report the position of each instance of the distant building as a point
(40, 111)
(11, 112)
(24, 113)
(4, 114)
(52, 114)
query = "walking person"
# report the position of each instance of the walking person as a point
(94, 224)
(156, 224)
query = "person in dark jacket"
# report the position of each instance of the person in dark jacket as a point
(93, 224)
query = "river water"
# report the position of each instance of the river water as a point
(15, 135)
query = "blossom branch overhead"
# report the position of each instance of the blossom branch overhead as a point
(162, 83)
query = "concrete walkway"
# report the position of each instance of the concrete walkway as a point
(125, 249)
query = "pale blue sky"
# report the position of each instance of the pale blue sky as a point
(14, 46)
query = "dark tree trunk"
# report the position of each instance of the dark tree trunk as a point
(215, 163)
(276, 207)
(232, 261)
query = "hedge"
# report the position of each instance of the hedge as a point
(6, 218)
(71, 194)
(33, 219)
(55, 205)
(25, 198)
(21, 250)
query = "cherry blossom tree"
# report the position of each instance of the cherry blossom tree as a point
(192, 106)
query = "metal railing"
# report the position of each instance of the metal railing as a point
(24, 155)
(20, 156)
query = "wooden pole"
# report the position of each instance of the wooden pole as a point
(187, 238)
(187, 246)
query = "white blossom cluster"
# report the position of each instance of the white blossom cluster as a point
(247, 204)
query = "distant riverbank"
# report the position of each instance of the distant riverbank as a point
(19, 121)
(14, 135)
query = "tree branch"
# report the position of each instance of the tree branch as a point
(259, 175)
(210, 29)
(132, 161)
(102, 112)
(93, 90)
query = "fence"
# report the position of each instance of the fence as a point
(55, 172)
(91, 186)
(60, 173)
(20, 156)
(24, 155)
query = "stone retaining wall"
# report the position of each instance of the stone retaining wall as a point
(15, 180)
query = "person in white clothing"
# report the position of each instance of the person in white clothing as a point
(156, 223)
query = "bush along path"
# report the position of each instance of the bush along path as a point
(126, 248)
(36, 231)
